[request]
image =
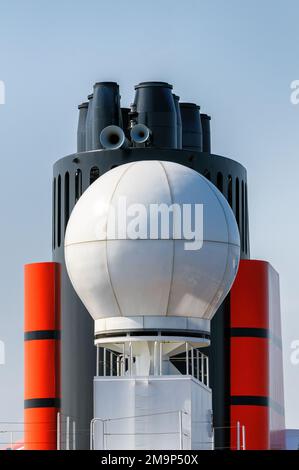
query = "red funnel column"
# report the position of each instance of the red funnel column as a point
(42, 355)
(256, 383)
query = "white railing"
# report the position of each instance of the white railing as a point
(195, 363)
(119, 364)
(238, 434)
(111, 430)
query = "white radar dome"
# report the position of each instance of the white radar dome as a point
(152, 238)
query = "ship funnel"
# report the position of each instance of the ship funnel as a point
(192, 127)
(88, 122)
(155, 107)
(113, 138)
(106, 109)
(178, 120)
(140, 134)
(81, 132)
(206, 138)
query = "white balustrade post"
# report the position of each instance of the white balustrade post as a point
(238, 435)
(67, 433)
(58, 430)
(192, 362)
(243, 437)
(104, 362)
(207, 372)
(187, 358)
(74, 435)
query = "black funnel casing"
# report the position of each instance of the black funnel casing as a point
(125, 121)
(178, 121)
(156, 109)
(88, 127)
(191, 127)
(105, 109)
(81, 132)
(206, 133)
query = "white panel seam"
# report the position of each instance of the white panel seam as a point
(173, 241)
(148, 239)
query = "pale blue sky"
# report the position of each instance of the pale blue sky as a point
(236, 59)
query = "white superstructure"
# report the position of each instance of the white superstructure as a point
(152, 249)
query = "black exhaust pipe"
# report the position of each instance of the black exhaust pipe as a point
(88, 126)
(178, 121)
(206, 133)
(191, 127)
(105, 109)
(81, 132)
(155, 106)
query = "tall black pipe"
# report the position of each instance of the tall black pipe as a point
(81, 132)
(105, 109)
(191, 127)
(156, 109)
(178, 121)
(88, 131)
(206, 133)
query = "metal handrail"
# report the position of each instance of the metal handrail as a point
(104, 421)
(196, 362)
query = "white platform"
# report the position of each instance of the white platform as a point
(182, 324)
(155, 412)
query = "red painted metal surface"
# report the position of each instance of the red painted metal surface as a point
(249, 295)
(256, 422)
(249, 366)
(42, 355)
(249, 382)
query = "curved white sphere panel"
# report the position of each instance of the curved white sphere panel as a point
(116, 275)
